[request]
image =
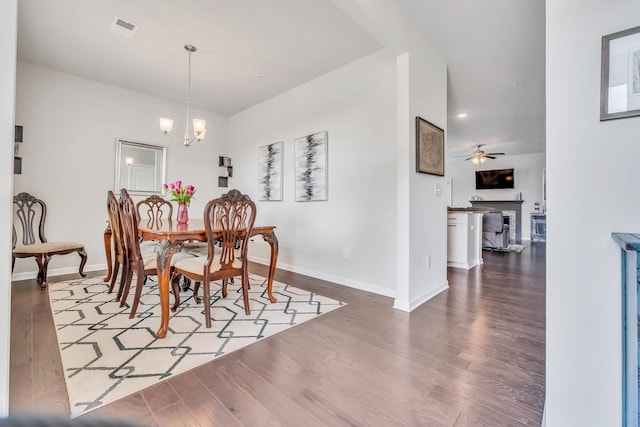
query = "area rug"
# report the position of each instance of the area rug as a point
(516, 248)
(107, 356)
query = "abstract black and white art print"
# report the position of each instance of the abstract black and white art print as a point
(311, 167)
(270, 174)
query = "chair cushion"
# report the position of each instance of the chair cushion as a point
(150, 259)
(196, 265)
(47, 248)
(196, 248)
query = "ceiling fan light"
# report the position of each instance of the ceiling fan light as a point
(475, 161)
(483, 159)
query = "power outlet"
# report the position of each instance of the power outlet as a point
(345, 253)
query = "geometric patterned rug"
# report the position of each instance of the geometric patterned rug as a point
(107, 356)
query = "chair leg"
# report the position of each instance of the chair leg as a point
(13, 262)
(127, 285)
(83, 261)
(207, 302)
(175, 287)
(196, 286)
(140, 281)
(114, 274)
(245, 292)
(43, 262)
(186, 283)
(124, 276)
(224, 287)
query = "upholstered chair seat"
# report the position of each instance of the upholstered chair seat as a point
(31, 213)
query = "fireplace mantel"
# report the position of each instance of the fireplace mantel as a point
(504, 205)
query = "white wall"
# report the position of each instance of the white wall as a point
(427, 232)
(8, 36)
(592, 177)
(70, 128)
(356, 105)
(527, 175)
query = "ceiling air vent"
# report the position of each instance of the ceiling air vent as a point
(122, 27)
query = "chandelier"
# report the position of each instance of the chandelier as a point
(199, 125)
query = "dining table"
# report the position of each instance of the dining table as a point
(170, 236)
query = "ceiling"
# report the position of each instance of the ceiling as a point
(251, 50)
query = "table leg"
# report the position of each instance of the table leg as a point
(164, 251)
(273, 242)
(107, 252)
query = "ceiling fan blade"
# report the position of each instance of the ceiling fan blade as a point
(486, 156)
(496, 154)
(469, 158)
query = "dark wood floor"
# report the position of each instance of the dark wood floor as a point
(471, 356)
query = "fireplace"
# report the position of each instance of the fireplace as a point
(509, 208)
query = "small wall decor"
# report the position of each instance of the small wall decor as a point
(311, 167)
(225, 162)
(429, 148)
(17, 160)
(620, 75)
(270, 172)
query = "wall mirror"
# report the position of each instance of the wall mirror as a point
(140, 168)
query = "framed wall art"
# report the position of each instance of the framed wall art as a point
(270, 172)
(311, 167)
(620, 75)
(429, 148)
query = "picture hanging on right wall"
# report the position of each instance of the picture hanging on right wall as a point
(270, 173)
(311, 167)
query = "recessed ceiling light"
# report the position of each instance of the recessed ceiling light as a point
(462, 115)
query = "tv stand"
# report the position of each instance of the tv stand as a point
(505, 206)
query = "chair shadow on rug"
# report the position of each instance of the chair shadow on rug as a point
(31, 211)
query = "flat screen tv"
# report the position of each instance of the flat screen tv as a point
(492, 179)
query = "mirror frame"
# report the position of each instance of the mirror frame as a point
(162, 150)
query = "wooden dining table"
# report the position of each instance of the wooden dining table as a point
(170, 236)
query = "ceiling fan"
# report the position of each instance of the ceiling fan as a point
(479, 156)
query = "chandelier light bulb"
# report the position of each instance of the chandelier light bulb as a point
(166, 125)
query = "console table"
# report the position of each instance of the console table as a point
(630, 257)
(504, 205)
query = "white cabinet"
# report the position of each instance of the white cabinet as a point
(464, 239)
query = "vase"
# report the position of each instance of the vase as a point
(183, 213)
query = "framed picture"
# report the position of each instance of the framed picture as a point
(620, 79)
(270, 172)
(311, 167)
(429, 148)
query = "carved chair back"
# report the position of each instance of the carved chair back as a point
(129, 218)
(32, 213)
(234, 214)
(115, 222)
(153, 210)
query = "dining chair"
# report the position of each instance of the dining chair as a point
(154, 210)
(139, 261)
(117, 236)
(227, 221)
(31, 211)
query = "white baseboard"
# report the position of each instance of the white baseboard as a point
(363, 286)
(52, 272)
(408, 306)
